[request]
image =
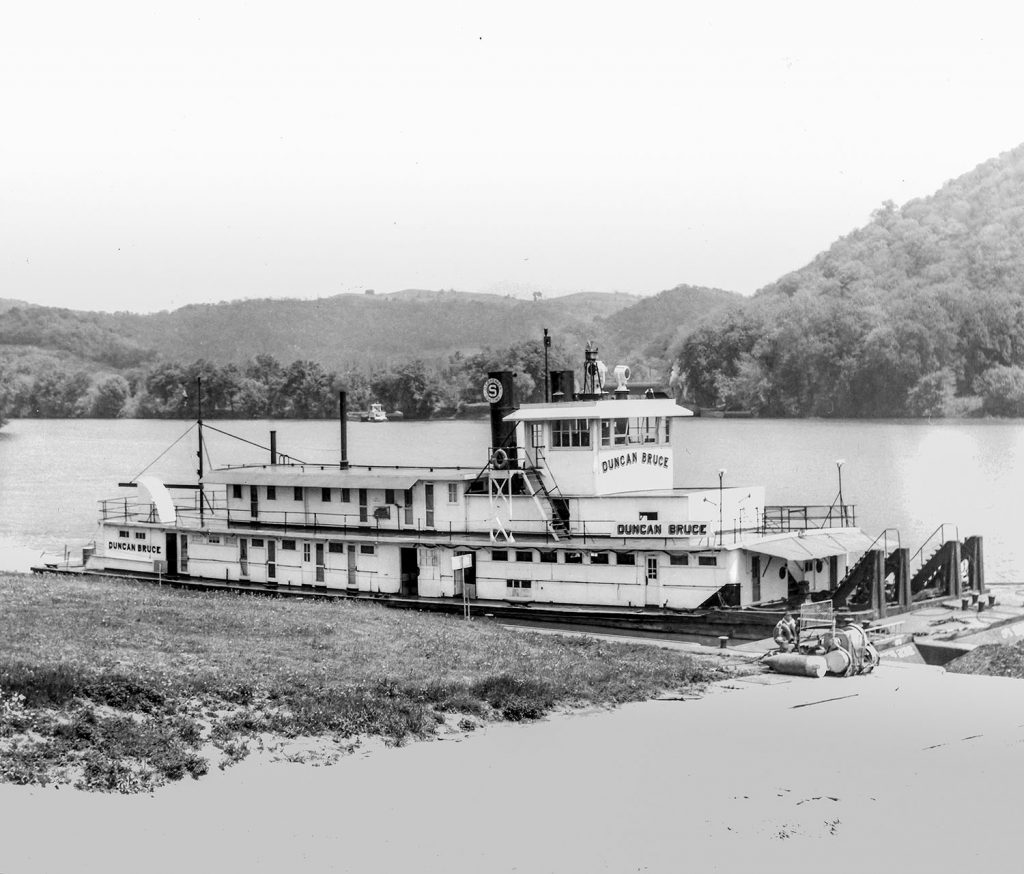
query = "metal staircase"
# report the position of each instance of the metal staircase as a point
(550, 503)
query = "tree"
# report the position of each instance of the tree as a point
(107, 398)
(1002, 391)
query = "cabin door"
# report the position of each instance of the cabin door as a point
(652, 583)
(243, 557)
(254, 502)
(271, 560)
(171, 550)
(183, 554)
(320, 575)
(353, 582)
(755, 579)
(410, 571)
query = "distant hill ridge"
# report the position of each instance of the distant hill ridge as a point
(352, 330)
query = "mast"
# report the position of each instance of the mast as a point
(199, 422)
(547, 376)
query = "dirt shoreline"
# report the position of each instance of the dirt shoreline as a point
(910, 768)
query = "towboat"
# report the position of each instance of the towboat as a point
(374, 414)
(578, 512)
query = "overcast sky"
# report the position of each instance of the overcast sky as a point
(153, 155)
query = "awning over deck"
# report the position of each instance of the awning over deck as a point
(326, 477)
(801, 547)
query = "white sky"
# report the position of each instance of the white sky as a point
(153, 155)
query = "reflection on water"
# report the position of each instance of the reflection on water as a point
(908, 475)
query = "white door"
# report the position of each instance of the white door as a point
(652, 581)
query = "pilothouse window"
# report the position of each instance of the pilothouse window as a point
(570, 433)
(641, 429)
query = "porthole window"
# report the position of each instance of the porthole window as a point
(819, 566)
(782, 572)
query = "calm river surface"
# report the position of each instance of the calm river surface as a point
(910, 475)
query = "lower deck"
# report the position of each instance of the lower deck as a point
(598, 573)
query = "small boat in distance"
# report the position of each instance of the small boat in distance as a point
(374, 414)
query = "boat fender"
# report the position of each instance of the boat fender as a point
(798, 665)
(499, 460)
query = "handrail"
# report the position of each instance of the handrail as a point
(942, 535)
(885, 543)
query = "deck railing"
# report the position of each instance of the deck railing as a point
(799, 517)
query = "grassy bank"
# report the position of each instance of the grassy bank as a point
(121, 686)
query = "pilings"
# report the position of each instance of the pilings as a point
(973, 552)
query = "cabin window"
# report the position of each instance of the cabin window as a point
(287, 544)
(648, 516)
(140, 535)
(363, 509)
(679, 560)
(367, 549)
(499, 555)
(124, 534)
(382, 512)
(271, 493)
(334, 546)
(298, 493)
(524, 555)
(537, 434)
(428, 504)
(574, 558)
(236, 491)
(519, 584)
(346, 497)
(389, 496)
(625, 558)
(599, 558)
(570, 433)
(549, 557)
(453, 493)
(325, 496)
(305, 552)
(707, 560)
(213, 538)
(257, 543)
(408, 506)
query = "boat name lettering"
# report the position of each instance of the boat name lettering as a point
(657, 529)
(651, 458)
(113, 545)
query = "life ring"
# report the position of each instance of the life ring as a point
(500, 459)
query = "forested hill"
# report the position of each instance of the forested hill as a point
(351, 330)
(920, 312)
(421, 351)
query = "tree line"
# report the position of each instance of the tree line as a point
(42, 386)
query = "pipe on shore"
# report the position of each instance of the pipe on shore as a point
(797, 664)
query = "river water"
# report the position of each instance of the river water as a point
(910, 475)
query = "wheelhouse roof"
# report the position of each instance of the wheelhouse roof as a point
(630, 408)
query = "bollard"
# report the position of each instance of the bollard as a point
(991, 599)
(964, 602)
(981, 606)
(723, 639)
(974, 597)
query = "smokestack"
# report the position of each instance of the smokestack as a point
(499, 390)
(273, 447)
(563, 385)
(343, 424)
